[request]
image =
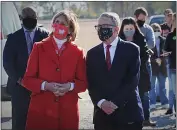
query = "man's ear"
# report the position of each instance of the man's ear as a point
(116, 29)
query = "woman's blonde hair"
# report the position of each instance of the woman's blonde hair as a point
(72, 21)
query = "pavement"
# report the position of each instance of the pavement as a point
(164, 122)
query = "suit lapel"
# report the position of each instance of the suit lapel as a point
(101, 57)
(50, 50)
(24, 44)
(116, 55)
(36, 35)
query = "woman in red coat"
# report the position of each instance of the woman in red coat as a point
(56, 73)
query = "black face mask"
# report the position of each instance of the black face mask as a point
(140, 23)
(105, 33)
(29, 23)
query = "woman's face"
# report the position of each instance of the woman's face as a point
(129, 27)
(60, 27)
(129, 30)
(61, 20)
(168, 18)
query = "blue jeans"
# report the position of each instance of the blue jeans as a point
(145, 97)
(173, 80)
(157, 87)
(171, 96)
(173, 84)
(162, 90)
(146, 105)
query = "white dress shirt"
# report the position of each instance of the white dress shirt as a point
(32, 33)
(112, 50)
(59, 44)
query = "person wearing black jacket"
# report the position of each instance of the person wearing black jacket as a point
(170, 50)
(130, 32)
(159, 70)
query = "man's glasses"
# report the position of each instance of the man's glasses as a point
(157, 31)
(97, 27)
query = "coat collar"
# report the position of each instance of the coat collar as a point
(49, 48)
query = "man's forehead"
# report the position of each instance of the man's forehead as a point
(105, 20)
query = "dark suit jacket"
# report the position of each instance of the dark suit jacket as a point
(144, 81)
(118, 85)
(15, 55)
(156, 69)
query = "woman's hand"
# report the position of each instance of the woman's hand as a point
(58, 93)
(63, 88)
(57, 88)
(51, 87)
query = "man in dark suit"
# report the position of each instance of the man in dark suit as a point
(15, 56)
(113, 75)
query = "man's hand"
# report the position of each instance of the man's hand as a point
(108, 107)
(159, 61)
(165, 53)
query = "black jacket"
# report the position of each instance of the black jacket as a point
(170, 46)
(156, 69)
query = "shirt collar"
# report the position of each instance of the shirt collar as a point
(59, 42)
(114, 43)
(25, 30)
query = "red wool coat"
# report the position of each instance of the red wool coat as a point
(45, 113)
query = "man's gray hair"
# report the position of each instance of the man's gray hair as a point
(113, 16)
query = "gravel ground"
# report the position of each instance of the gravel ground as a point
(86, 113)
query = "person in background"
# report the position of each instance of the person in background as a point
(55, 74)
(140, 17)
(130, 31)
(167, 26)
(10, 23)
(159, 70)
(15, 56)
(170, 50)
(166, 29)
(113, 74)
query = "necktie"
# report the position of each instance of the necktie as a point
(108, 57)
(29, 42)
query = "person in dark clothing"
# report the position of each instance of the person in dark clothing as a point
(130, 32)
(15, 56)
(159, 70)
(140, 17)
(166, 29)
(170, 50)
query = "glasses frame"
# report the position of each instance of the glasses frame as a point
(97, 27)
